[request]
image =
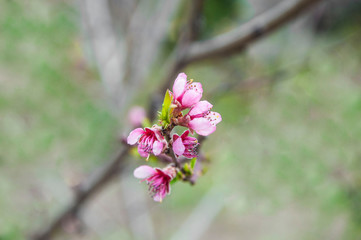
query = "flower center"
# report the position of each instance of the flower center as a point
(212, 117)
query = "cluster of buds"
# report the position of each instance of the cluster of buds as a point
(182, 107)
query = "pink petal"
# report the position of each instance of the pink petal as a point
(215, 117)
(144, 171)
(141, 152)
(158, 197)
(158, 133)
(200, 108)
(134, 136)
(202, 126)
(136, 115)
(178, 147)
(192, 95)
(157, 148)
(179, 85)
(189, 140)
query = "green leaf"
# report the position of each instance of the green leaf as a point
(178, 177)
(174, 180)
(193, 163)
(187, 169)
(167, 110)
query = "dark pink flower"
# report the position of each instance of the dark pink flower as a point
(157, 179)
(150, 140)
(186, 93)
(185, 145)
(202, 120)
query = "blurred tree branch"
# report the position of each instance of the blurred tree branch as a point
(187, 52)
(108, 50)
(83, 193)
(236, 40)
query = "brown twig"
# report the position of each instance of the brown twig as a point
(189, 35)
(84, 192)
(236, 40)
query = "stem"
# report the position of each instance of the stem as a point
(169, 152)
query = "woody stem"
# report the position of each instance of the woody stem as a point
(168, 138)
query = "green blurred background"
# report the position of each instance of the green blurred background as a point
(285, 161)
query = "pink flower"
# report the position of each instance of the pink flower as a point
(186, 93)
(202, 120)
(185, 145)
(157, 179)
(149, 140)
(136, 116)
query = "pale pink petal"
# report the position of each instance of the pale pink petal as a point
(158, 197)
(144, 171)
(134, 136)
(200, 108)
(136, 115)
(215, 118)
(179, 85)
(178, 147)
(141, 152)
(158, 133)
(192, 95)
(202, 126)
(157, 148)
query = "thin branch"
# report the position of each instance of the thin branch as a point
(144, 41)
(192, 27)
(107, 48)
(189, 35)
(237, 39)
(122, 11)
(84, 192)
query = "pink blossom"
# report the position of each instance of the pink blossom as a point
(157, 179)
(202, 120)
(149, 140)
(185, 145)
(136, 116)
(186, 93)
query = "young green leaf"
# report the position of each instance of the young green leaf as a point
(166, 109)
(193, 163)
(179, 176)
(187, 169)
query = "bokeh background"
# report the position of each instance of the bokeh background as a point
(284, 162)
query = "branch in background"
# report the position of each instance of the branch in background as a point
(188, 35)
(122, 11)
(202, 216)
(83, 193)
(144, 40)
(193, 23)
(234, 41)
(237, 39)
(100, 34)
